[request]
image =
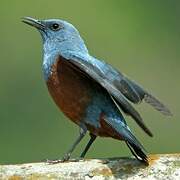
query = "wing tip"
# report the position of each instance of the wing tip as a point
(148, 98)
(141, 123)
(150, 134)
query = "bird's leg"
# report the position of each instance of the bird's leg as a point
(69, 152)
(92, 139)
(80, 137)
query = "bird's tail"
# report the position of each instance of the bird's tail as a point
(120, 126)
(137, 152)
(135, 146)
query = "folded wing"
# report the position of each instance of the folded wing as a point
(119, 87)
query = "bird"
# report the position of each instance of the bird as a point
(90, 92)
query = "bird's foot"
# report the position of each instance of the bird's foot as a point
(66, 158)
(56, 161)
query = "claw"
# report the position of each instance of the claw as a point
(56, 161)
(66, 157)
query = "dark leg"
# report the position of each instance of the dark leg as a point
(68, 154)
(93, 137)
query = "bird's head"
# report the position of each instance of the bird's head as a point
(58, 33)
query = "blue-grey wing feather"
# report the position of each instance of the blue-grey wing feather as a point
(129, 88)
(92, 70)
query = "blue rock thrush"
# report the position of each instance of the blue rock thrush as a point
(90, 92)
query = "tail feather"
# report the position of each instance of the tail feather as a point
(138, 152)
(134, 145)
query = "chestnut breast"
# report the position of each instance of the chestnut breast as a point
(70, 89)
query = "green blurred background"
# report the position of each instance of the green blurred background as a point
(141, 38)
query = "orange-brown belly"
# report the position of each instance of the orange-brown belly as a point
(70, 90)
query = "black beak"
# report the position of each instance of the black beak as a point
(33, 22)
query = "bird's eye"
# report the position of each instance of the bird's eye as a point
(55, 27)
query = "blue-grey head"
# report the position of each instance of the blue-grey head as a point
(57, 34)
(59, 38)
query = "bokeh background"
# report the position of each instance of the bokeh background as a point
(141, 38)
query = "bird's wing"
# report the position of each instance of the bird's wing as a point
(92, 70)
(130, 89)
(119, 87)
